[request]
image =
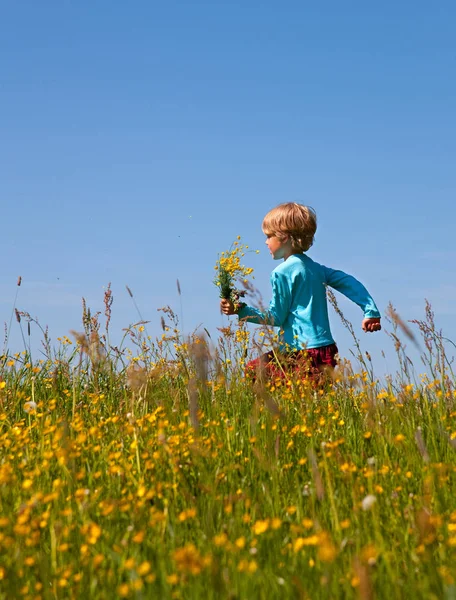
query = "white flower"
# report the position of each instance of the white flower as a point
(368, 502)
(30, 406)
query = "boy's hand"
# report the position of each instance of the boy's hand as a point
(371, 325)
(227, 307)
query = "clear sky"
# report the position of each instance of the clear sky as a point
(137, 140)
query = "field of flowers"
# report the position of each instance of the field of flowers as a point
(160, 472)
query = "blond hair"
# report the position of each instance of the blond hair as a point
(292, 220)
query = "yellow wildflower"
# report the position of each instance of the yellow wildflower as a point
(260, 527)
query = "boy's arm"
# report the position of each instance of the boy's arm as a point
(356, 292)
(279, 307)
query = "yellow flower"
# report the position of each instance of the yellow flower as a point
(307, 523)
(276, 523)
(260, 527)
(123, 590)
(144, 568)
(138, 538)
(220, 540)
(369, 554)
(189, 560)
(327, 551)
(240, 543)
(253, 566)
(97, 560)
(245, 566)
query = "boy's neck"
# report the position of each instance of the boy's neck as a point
(289, 252)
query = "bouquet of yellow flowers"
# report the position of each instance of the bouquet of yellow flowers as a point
(230, 270)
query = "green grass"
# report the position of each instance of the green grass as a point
(176, 478)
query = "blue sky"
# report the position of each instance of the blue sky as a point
(138, 140)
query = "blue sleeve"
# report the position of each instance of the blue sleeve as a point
(278, 309)
(352, 289)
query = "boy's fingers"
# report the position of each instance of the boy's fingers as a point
(225, 306)
(371, 325)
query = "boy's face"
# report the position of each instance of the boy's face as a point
(278, 248)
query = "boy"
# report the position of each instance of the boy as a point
(299, 306)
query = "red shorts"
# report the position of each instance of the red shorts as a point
(311, 363)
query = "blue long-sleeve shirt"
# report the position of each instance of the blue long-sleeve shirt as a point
(299, 305)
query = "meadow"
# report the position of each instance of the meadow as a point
(154, 469)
